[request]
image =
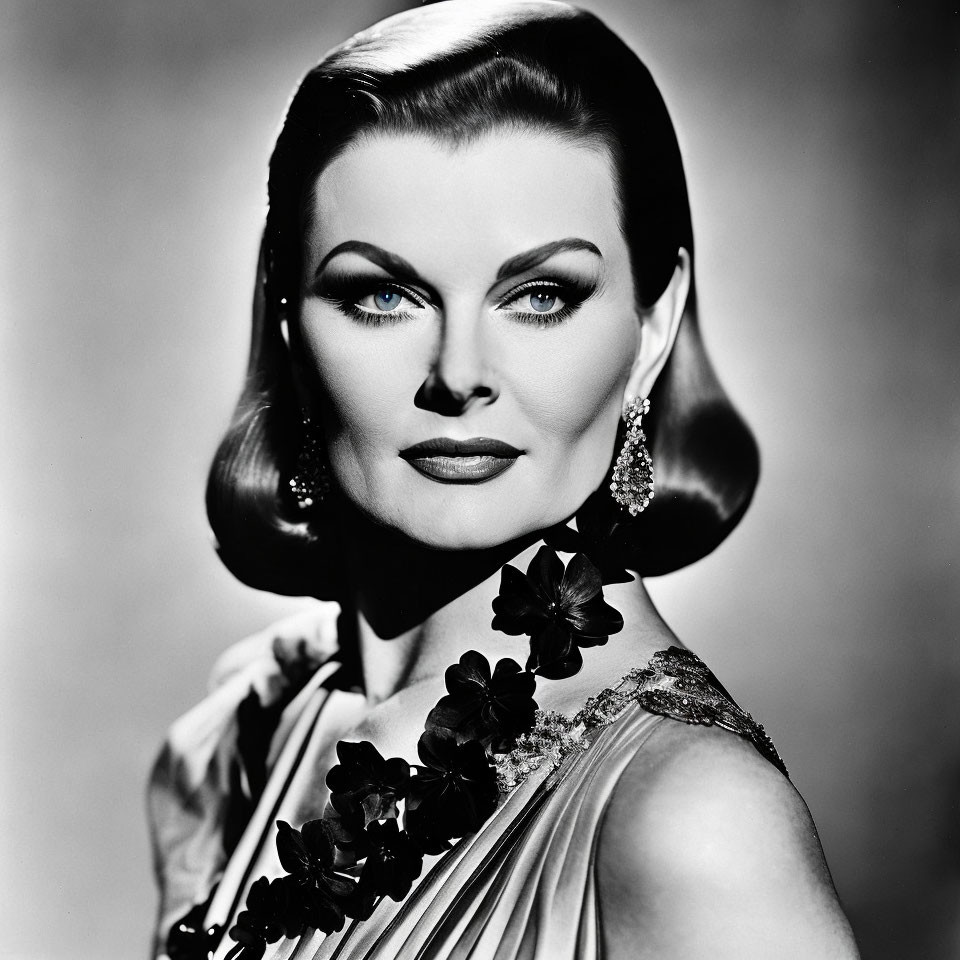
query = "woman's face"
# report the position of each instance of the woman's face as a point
(468, 315)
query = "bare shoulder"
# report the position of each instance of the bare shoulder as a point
(707, 850)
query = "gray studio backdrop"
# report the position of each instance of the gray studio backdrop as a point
(822, 151)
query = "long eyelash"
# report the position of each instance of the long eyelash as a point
(345, 294)
(572, 292)
(370, 318)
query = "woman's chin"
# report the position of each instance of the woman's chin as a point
(467, 529)
(451, 535)
(455, 517)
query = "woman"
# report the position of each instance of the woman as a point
(476, 281)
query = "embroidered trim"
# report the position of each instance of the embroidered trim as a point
(675, 683)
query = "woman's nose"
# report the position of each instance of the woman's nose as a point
(459, 376)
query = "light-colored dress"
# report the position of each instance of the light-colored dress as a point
(524, 887)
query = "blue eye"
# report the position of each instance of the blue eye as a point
(547, 301)
(373, 300)
(382, 303)
(387, 300)
(542, 302)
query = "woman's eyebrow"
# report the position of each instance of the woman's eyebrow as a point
(394, 264)
(536, 256)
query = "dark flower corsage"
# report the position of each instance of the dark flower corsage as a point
(268, 917)
(454, 790)
(313, 894)
(492, 709)
(364, 783)
(307, 855)
(604, 534)
(325, 895)
(560, 608)
(393, 861)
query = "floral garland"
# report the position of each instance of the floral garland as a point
(472, 747)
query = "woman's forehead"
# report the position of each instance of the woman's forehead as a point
(505, 190)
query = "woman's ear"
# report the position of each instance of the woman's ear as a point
(659, 325)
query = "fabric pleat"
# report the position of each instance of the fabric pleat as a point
(523, 888)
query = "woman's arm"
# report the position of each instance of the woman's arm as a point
(707, 851)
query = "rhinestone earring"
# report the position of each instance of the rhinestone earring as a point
(632, 485)
(311, 480)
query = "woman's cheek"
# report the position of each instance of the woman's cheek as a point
(361, 401)
(573, 383)
(362, 372)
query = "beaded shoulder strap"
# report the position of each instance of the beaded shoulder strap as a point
(675, 683)
(678, 684)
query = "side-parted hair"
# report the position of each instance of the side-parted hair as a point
(453, 71)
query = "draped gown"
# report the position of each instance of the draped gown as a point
(257, 749)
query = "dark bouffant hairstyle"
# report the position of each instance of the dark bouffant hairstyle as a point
(453, 71)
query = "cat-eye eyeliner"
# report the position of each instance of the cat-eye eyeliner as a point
(346, 294)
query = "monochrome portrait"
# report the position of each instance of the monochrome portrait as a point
(483, 481)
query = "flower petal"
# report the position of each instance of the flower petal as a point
(425, 831)
(518, 603)
(359, 906)
(471, 674)
(508, 668)
(562, 667)
(293, 854)
(595, 618)
(379, 806)
(338, 885)
(359, 764)
(362, 754)
(449, 715)
(475, 666)
(436, 751)
(553, 643)
(348, 833)
(605, 537)
(396, 773)
(581, 582)
(545, 573)
(318, 839)
(395, 862)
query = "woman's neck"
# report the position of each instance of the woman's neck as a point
(418, 610)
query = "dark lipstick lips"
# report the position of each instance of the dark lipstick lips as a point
(461, 461)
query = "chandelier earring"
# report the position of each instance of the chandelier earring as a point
(632, 483)
(310, 482)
